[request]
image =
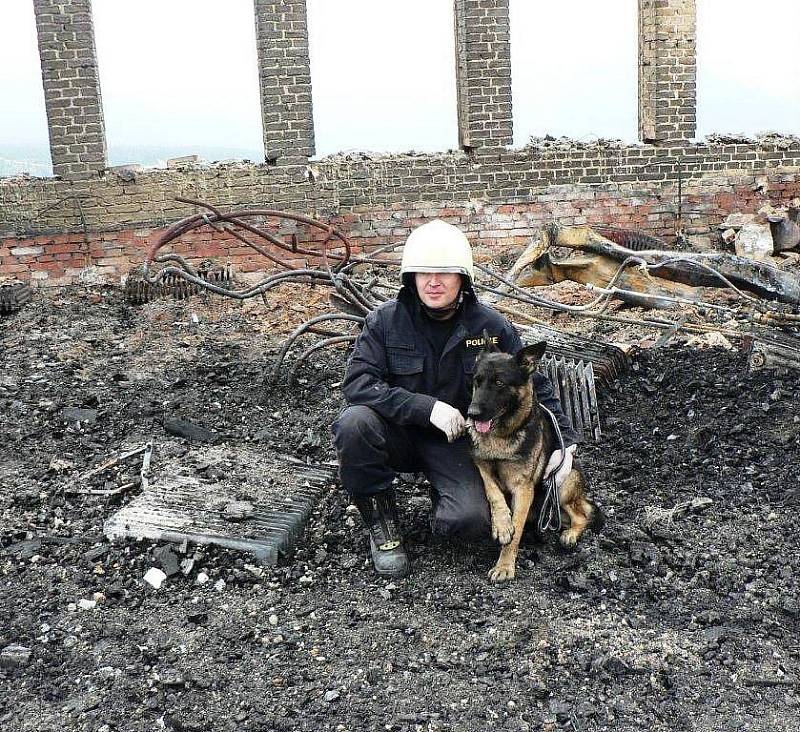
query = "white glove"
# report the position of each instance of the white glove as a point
(566, 468)
(448, 420)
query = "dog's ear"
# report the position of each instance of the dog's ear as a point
(528, 358)
(488, 345)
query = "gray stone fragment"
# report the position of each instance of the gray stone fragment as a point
(15, 656)
(238, 511)
(190, 431)
(166, 559)
(79, 414)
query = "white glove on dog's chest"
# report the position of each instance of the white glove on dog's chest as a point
(448, 419)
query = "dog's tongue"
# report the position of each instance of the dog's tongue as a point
(483, 427)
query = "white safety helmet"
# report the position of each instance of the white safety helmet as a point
(437, 247)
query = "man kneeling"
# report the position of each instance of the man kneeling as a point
(408, 385)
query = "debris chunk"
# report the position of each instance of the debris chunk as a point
(79, 414)
(784, 230)
(190, 431)
(710, 340)
(167, 559)
(154, 577)
(737, 220)
(754, 241)
(13, 296)
(655, 516)
(238, 511)
(14, 656)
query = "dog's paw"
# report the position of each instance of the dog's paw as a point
(502, 572)
(569, 537)
(503, 532)
(502, 528)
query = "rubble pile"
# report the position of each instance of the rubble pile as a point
(680, 613)
(771, 234)
(766, 139)
(551, 143)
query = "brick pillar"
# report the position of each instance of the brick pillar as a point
(284, 72)
(483, 72)
(667, 71)
(71, 87)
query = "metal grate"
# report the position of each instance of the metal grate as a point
(576, 365)
(636, 240)
(608, 361)
(575, 387)
(178, 507)
(14, 296)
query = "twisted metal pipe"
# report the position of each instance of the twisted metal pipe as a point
(302, 329)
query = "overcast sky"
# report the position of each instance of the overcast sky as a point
(182, 73)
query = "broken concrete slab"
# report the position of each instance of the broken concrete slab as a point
(696, 269)
(754, 241)
(736, 221)
(15, 656)
(79, 414)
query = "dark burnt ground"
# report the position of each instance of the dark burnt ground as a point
(687, 622)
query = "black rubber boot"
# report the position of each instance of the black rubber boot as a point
(385, 542)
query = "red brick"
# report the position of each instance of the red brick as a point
(60, 248)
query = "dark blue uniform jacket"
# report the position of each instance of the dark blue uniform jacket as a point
(393, 368)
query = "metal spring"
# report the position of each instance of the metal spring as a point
(138, 291)
(13, 296)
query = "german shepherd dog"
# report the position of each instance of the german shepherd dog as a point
(512, 440)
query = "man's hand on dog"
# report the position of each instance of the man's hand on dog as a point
(448, 419)
(565, 469)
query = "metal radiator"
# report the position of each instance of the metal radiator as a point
(576, 365)
(575, 386)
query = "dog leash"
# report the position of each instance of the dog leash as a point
(550, 514)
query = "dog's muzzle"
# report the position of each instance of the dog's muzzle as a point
(482, 426)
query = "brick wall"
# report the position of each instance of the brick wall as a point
(498, 197)
(71, 87)
(51, 229)
(667, 71)
(285, 80)
(483, 73)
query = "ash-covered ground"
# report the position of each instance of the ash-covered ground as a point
(680, 614)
